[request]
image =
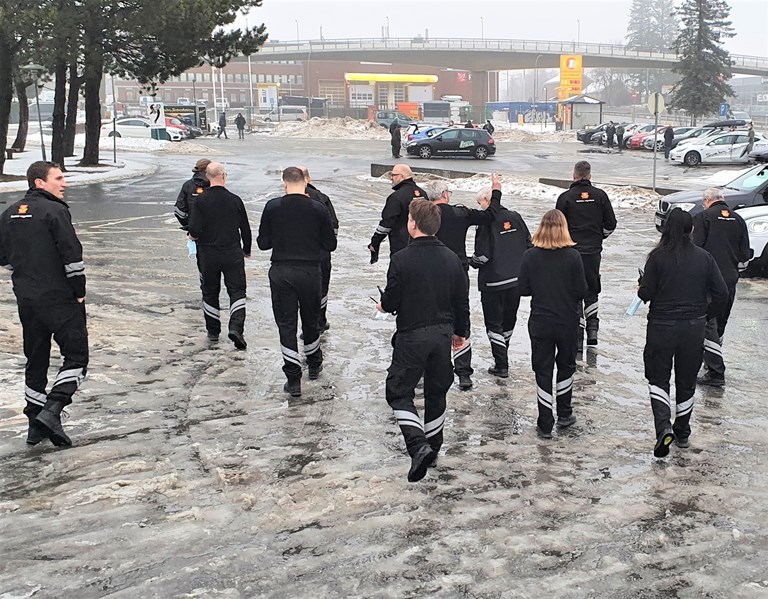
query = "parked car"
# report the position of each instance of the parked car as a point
(127, 127)
(586, 135)
(184, 101)
(173, 122)
(423, 132)
(286, 113)
(750, 188)
(454, 142)
(724, 147)
(756, 218)
(711, 129)
(194, 130)
(385, 118)
(678, 131)
(759, 155)
(638, 137)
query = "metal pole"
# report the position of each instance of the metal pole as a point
(297, 30)
(114, 121)
(213, 85)
(250, 82)
(482, 29)
(39, 119)
(655, 134)
(194, 99)
(546, 107)
(221, 83)
(578, 31)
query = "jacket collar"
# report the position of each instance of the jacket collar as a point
(35, 193)
(580, 182)
(408, 181)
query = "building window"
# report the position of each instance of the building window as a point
(243, 99)
(207, 77)
(300, 79)
(334, 91)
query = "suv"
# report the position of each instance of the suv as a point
(748, 189)
(454, 142)
(287, 113)
(385, 118)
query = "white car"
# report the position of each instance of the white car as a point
(138, 127)
(756, 218)
(678, 131)
(727, 147)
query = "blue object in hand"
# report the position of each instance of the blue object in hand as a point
(633, 307)
(191, 248)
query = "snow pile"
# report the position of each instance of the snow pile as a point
(529, 136)
(341, 128)
(143, 144)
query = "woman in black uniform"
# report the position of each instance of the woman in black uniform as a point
(552, 273)
(679, 279)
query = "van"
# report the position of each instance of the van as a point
(287, 113)
(184, 102)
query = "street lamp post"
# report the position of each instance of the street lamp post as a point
(546, 106)
(578, 31)
(482, 29)
(35, 70)
(536, 79)
(297, 30)
(194, 98)
(386, 31)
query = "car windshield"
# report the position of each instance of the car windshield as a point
(750, 180)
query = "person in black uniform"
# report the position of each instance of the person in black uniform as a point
(455, 220)
(552, 273)
(222, 125)
(219, 224)
(396, 138)
(679, 278)
(723, 233)
(499, 249)
(190, 191)
(394, 216)
(590, 220)
(299, 232)
(489, 127)
(669, 137)
(427, 289)
(40, 247)
(325, 263)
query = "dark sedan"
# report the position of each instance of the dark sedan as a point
(454, 142)
(586, 135)
(760, 155)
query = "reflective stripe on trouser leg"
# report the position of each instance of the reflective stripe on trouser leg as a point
(713, 349)
(544, 400)
(564, 391)
(35, 397)
(237, 315)
(660, 405)
(438, 377)
(72, 339)
(462, 360)
(212, 316)
(498, 349)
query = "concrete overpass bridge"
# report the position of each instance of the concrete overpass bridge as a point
(483, 55)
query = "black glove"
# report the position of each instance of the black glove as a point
(374, 253)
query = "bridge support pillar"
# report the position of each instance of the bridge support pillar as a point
(485, 88)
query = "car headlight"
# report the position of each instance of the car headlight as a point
(687, 206)
(759, 226)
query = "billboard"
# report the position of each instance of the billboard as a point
(571, 73)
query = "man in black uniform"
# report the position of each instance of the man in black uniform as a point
(723, 233)
(325, 262)
(190, 191)
(40, 246)
(590, 220)
(499, 249)
(397, 138)
(426, 287)
(219, 224)
(455, 220)
(299, 232)
(394, 216)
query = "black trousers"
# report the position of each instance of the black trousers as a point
(295, 290)
(395, 150)
(240, 133)
(65, 323)
(667, 342)
(325, 282)
(713, 337)
(500, 315)
(426, 352)
(214, 263)
(224, 131)
(591, 264)
(462, 358)
(553, 343)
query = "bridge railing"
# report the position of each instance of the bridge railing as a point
(493, 45)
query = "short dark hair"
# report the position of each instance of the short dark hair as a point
(39, 170)
(293, 174)
(582, 169)
(426, 215)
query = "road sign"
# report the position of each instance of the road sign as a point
(656, 103)
(724, 108)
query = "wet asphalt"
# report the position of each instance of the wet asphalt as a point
(194, 475)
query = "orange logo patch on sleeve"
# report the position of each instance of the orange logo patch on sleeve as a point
(725, 213)
(417, 193)
(199, 190)
(23, 208)
(584, 195)
(507, 226)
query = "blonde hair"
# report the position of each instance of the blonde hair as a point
(552, 233)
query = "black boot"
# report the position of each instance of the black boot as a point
(50, 419)
(580, 342)
(36, 432)
(592, 327)
(293, 387)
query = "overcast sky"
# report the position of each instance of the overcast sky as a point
(558, 20)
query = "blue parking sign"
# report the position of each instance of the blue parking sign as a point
(724, 108)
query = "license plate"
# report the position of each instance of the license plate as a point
(658, 221)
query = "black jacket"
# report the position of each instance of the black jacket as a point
(189, 192)
(455, 220)
(394, 216)
(297, 229)
(426, 285)
(723, 233)
(240, 121)
(589, 214)
(394, 131)
(39, 245)
(678, 287)
(317, 195)
(669, 135)
(499, 248)
(555, 281)
(219, 221)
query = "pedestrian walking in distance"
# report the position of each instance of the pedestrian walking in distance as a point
(299, 232)
(669, 137)
(219, 224)
(38, 244)
(427, 289)
(325, 263)
(723, 233)
(222, 125)
(394, 215)
(552, 273)
(684, 286)
(240, 124)
(590, 220)
(396, 138)
(455, 221)
(191, 190)
(499, 249)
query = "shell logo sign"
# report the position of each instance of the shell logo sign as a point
(570, 76)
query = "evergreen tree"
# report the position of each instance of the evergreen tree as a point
(704, 65)
(640, 29)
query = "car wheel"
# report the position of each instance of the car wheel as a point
(114, 134)
(267, 119)
(692, 159)
(481, 152)
(626, 144)
(425, 152)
